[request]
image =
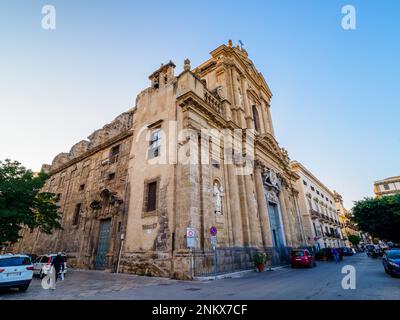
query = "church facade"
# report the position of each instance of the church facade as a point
(197, 150)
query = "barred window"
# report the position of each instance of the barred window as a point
(114, 154)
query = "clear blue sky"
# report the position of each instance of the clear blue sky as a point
(336, 93)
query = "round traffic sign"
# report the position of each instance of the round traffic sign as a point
(213, 231)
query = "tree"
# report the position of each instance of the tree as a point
(22, 204)
(380, 217)
(354, 239)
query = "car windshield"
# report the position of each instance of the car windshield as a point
(298, 253)
(393, 254)
(15, 261)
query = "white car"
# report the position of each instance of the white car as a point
(42, 264)
(16, 271)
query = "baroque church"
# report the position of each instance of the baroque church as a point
(129, 193)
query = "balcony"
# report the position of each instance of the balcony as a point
(315, 214)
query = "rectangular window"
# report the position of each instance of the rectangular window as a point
(81, 187)
(58, 197)
(312, 188)
(386, 186)
(305, 183)
(114, 154)
(155, 143)
(62, 178)
(317, 192)
(215, 163)
(75, 219)
(151, 204)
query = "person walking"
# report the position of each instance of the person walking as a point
(57, 266)
(335, 253)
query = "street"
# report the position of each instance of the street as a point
(322, 282)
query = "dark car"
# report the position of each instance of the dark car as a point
(391, 262)
(302, 258)
(346, 251)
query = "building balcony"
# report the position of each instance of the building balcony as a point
(315, 214)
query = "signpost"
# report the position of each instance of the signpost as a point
(191, 243)
(213, 233)
(191, 237)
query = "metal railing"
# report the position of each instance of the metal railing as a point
(227, 260)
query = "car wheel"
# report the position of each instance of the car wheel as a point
(387, 271)
(293, 266)
(392, 274)
(314, 264)
(23, 288)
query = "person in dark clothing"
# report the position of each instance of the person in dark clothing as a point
(58, 264)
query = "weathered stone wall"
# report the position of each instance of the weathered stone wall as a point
(79, 177)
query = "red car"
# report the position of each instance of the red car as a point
(302, 258)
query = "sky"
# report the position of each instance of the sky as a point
(335, 104)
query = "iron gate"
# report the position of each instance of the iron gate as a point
(234, 259)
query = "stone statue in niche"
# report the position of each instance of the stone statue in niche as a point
(218, 192)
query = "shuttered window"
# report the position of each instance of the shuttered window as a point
(151, 196)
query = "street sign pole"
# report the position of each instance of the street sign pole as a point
(213, 233)
(215, 263)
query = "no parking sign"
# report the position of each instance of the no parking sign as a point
(191, 237)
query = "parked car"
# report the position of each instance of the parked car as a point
(16, 271)
(347, 251)
(374, 250)
(302, 258)
(391, 262)
(41, 266)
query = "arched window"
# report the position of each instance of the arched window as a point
(256, 118)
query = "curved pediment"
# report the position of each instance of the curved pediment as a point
(60, 159)
(79, 148)
(120, 124)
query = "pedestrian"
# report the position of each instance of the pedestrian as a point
(335, 253)
(57, 270)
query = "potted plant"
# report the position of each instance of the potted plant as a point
(260, 259)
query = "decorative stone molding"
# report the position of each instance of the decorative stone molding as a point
(271, 179)
(272, 197)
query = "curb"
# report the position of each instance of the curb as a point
(237, 274)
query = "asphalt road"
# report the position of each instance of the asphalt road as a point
(322, 282)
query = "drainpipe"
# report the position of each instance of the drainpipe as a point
(120, 251)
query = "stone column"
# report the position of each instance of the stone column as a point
(271, 127)
(247, 113)
(262, 209)
(240, 115)
(234, 206)
(244, 210)
(285, 219)
(233, 93)
(254, 221)
(265, 117)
